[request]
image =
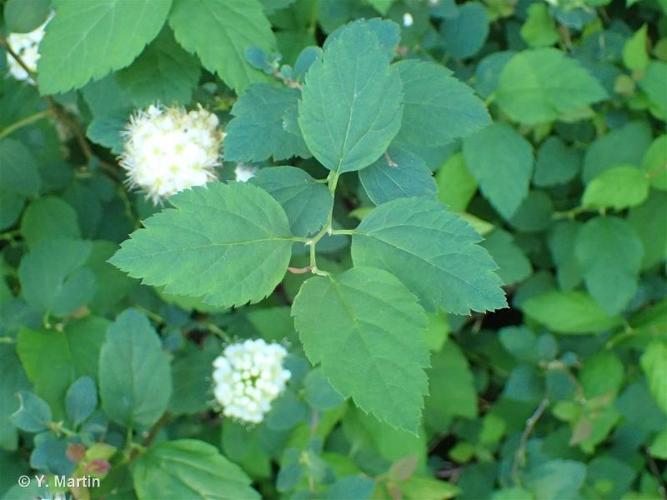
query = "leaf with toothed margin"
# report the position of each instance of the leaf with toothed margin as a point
(366, 330)
(433, 251)
(227, 243)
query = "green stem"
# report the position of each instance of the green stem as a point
(349, 232)
(24, 122)
(332, 181)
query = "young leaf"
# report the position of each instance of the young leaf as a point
(618, 187)
(264, 111)
(88, 39)
(378, 360)
(654, 364)
(33, 414)
(502, 162)
(307, 202)
(609, 253)
(232, 243)
(18, 172)
(432, 251)
(456, 186)
(188, 468)
(220, 31)
(569, 312)
(81, 399)
(542, 85)
(439, 103)
(53, 360)
(134, 373)
(351, 104)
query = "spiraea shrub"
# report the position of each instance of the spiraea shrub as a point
(333, 249)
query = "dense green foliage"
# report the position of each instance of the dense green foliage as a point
(456, 225)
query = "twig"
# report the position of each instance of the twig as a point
(662, 487)
(157, 427)
(24, 122)
(520, 455)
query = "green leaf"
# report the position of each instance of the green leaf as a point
(382, 6)
(53, 359)
(556, 163)
(569, 312)
(654, 364)
(220, 32)
(658, 448)
(649, 221)
(318, 391)
(12, 380)
(502, 162)
(609, 253)
(432, 251)
(456, 186)
(191, 380)
(544, 85)
(135, 377)
(556, 480)
(264, 111)
(53, 277)
(23, 16)
(618, 187)
(232, 242)
(653, 85)
(81, 399)
(604, 153)
(539, 30)
(187, 468)
(377, 360)
(18, 170)
(438, 103)
(464, 33)
(398, 174)
(351, 104)
(451, 388)
(654, 163)
(306, 202)
(635, 56)
(164, 73)
(88, 39)
(561, 243)
(513, 265)
(33, 415)
(49, 218)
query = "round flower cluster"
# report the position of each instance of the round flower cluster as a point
(168, 150)
(26, 46)
(248, 377)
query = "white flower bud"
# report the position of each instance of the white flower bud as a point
(408, 20)
(244, 173)
(168, 150)
(248, 376)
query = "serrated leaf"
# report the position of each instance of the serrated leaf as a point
(53, 360)
(398, 174)
(307, 202)
(653, 85)
(543, 85)
(89, 38)
(438, 103)
(351, 103)
(54, 278)
(609, 253)
(232, 243)
(134, 372)
(513, 265)
(618, 187)
(502, 162)
(220, 31)
(163, 73)
(188, 468)
(378, 360)
(569, 312)
(259, 129)
(434, 252)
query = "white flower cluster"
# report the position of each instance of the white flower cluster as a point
(170, 149)
(248, 377)
(26, 46)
